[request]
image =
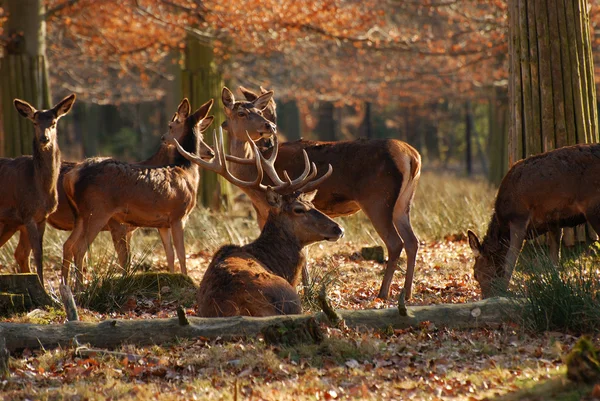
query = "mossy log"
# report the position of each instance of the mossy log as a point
(112, 333)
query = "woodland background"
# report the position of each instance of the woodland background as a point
(474, 85)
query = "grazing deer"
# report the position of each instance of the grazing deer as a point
(29, 182)
(259, 279)
(377, 176)
(539, 194)
(101, 190)
(63, 218)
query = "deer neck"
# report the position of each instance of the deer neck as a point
(496, 242)
(279, 250)
(46, 168)
(164, 155)
(191, 143)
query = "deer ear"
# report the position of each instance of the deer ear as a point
(64, 106)
(227, 98)
(24, 108)
(308, 196)
(273, 198)
(263, 90)
(183, 110)
(474, 243)
(262, 101)
(206, 122)
(202, 111)
(248, 94)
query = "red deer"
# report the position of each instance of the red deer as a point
(539, 194)
(63, 218)
(377, 176)
(29, 182)
(259, 279)
(101, 190)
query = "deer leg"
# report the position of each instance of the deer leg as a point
(35, 234)
(121, 236)
(411, 245)
(517, 237)
(381, 218)
(23, 252)
(92, 225)
(554, 238)
(177, 232)
(68, 246)
(6, 232)
(165, 237)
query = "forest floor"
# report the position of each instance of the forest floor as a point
(423, 363)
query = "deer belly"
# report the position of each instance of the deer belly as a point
(144, 218)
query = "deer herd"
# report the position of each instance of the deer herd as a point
(296, 189)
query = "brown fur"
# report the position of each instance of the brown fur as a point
(101, 190)
(378, 176)
(259, 279)
(64, 219)
(539, 194)
(29, 182)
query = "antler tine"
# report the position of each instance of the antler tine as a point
(218, 163)
(269, 167)
(234, 180)
(313, 184)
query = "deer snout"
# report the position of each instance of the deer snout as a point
(44, 139)
(270, 127)
(336, 233)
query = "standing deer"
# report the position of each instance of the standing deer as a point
(539, 194)
(63, 218)
(29, 182)
(101, 190)
(377, 176)
(259, 279)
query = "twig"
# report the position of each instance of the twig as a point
(183, 320)
(331, 314)
(69, 302)
(401, 303)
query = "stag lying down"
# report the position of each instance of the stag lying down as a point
(539, 194)
(259, 279)
(29, 182)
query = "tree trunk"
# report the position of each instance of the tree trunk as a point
(288, 119)
(202, 81)
(366, 126)
(468, 137)
(326, 127)
(551, 87)
(112, 333)
(23, 71)
(498, 134)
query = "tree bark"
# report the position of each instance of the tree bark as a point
(326, 127)
(202, 81)
(551, 89)
(288, 119)
(113, 333)
(23, 72)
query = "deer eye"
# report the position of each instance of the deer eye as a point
(299, 210)
(241, 114)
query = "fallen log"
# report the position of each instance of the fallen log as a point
(112, 333)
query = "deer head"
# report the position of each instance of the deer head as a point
(44, 121)
(270, 112)
(245, 116)
(291, 210)
(201, 121)
(489, 270)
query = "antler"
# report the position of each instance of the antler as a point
(304, 183)
(218, 164)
